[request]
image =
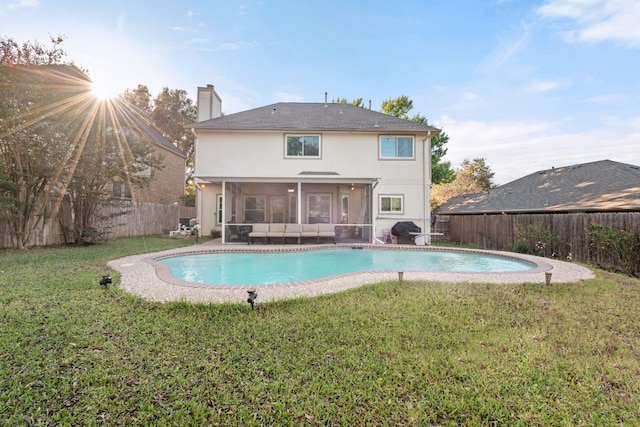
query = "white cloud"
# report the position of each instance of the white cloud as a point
(506, 49)
(597, 20)
(22, 3)
(220, 47)
(470, 96)
(518, 148)
(546, 86)
(197, 41)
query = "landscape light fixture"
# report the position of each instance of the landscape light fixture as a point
(252, 298)
(105, 281)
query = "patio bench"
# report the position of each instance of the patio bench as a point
(291, 230)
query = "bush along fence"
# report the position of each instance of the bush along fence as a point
(608, 240)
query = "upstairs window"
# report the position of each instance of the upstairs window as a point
(396, 147)
(302, 146)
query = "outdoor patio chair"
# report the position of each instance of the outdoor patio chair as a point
(309, 230)
(275, 230)
(258, 230)
(292, 230)
(327, 230)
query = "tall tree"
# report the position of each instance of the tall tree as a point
(399, 107)
(473, 176)
(139, 98)
(357, 102)
(116, 155)
(52, 142)
(34, 126)
(172, 110)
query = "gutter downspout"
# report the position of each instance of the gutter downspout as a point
(374, 239)
(198, 190)
(426, 185)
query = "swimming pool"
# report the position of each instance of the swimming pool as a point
(264, 268)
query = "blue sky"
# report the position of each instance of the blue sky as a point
(525, 84)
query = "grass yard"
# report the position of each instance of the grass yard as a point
(393, 353)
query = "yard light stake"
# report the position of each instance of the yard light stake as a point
(252, 298)
(105, 281)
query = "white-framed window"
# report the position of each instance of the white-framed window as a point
(302, 146)
(220, 208)
(319, 208)
(391, 204)
(255, 208)
(121, 191)
(396, 147)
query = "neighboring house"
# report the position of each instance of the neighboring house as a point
(167, 183)
(66, 90)
(310, 163)
(563, 200)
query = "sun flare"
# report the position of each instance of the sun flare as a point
(103, 91)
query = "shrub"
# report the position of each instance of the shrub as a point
(531, 239)
(613, 249)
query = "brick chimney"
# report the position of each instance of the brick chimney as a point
(209, 103)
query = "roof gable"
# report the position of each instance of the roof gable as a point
(313, 117)
(598, 186)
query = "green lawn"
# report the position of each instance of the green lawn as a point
(393, 353)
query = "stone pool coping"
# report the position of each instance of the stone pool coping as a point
(141, 275)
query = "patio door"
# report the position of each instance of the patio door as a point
(277, 209)
(319, 208)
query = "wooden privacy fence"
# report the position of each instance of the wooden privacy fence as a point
(500, 231)
(133, 219)
(143, 219)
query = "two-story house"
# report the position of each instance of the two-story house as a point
(310, 163)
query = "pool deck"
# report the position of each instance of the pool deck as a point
(140, 275)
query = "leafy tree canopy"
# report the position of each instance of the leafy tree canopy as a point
(473, 176)
(357, 102)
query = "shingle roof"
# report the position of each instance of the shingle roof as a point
(313, 116)
(604, 185)
(147, 128)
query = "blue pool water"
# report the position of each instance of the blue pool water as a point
(269, 268)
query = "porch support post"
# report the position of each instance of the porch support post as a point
(299, 204)
(426, 182)
(223, 232)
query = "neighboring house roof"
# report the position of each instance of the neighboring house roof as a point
(313, 117)
(149, 130)
(598, 186)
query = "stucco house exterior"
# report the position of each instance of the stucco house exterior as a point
(306, 163)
